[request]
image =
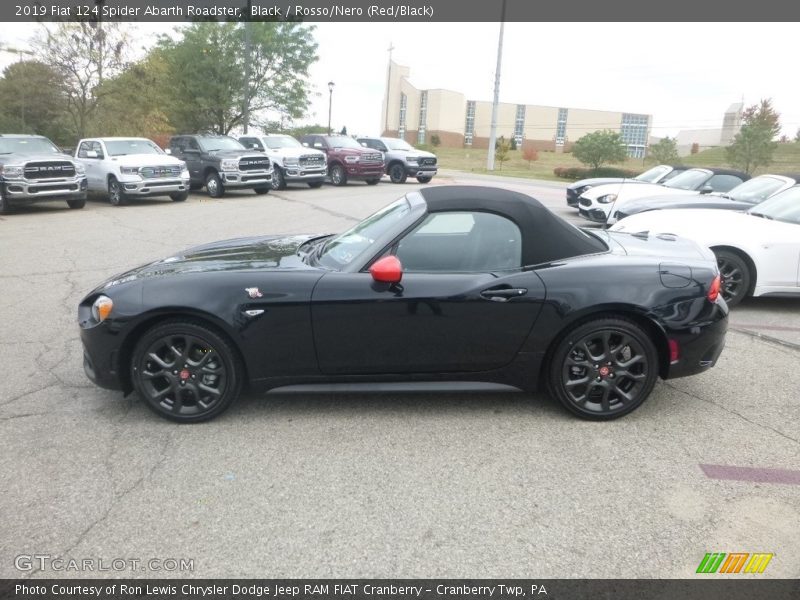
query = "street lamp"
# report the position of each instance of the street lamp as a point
(330, 104)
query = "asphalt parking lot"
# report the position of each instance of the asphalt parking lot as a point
(382, 485)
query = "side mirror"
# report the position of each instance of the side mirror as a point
(168, 151)
(305, 144)
(387, 270)
(91, 154)
(706, 189)
(364, 144)
(254, 146)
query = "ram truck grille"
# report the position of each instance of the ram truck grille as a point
(49, 170)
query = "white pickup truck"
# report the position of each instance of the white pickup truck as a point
(126, 168)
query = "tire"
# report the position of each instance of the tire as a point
(736, 277)
(338, 175)
(261, 190)
(116, 196)
(278, 180)
(76, 204)
(5, 205)
(315, 184)
(397, 173)
(214, 185)
(372, 181)
(171, 362)
(179, 196)
(603, 369)
(424, 179)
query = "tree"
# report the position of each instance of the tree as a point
(84, 53)
(753, 146)
(207, 74)
(530, 154)
(513, 143)
(501, 151)
(665, 151)
(435, 140)
(600, 147)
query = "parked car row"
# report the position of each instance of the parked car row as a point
(33, 169)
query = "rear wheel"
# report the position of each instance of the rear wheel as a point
(424, 179)
(315, 184)
(80, 203)
(115, 194)
(735, 274)
(338, 175)
(397, 173)
(214, 185)
(179, 196)
(186, 372)
(278, 180)
(603, 369)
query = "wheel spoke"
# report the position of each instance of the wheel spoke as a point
(157, 359)
(574, 382)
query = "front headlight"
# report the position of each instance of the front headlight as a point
(102, 308)
(291, 162)
(11, 171)
(80, 169)
(129, 170)
(607, 199)
(412, 159)
(230, 164)
(351, 159)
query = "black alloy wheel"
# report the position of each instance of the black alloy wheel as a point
(186, 372)
(278, 180)
(214, 185)
(603, 369)
(397, 173)
(735, 275)
(338, 175)
(115, 194)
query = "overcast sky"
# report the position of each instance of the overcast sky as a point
(685, 75)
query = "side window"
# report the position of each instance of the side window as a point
(191, 144)
(83, 149)
(462, 242)
(380, 146)
(176, 145)
(251, 142)
(98, 147)
(318, 142)
(724, 183)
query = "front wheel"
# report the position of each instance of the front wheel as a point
(115, 194)
(338, 175)
(397, 173)
(76, 204)
(262, 189)
(603, 369)
(315, 184)
(179, 196)
(735, 275)
(278, 180)
(372, 181)
(186, 372)
(424, 179)
(214, 185)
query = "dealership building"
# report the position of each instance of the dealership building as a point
(416, 115)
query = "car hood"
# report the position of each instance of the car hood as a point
(594, 182)
(625, 191)
(684, 201)
(414, 152)
(240, 254)
(23, 157)
(704, 225)
(295, 152)
(146, 160)
(236, 153)
(666, 246)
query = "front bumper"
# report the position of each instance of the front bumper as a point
(595, 215)
(246, 179)
(371, 171)
(155, 187)
(304, 174)
(18, 191)
(421, 171)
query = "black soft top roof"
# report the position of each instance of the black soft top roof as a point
(545, 236)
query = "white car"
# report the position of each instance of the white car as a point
(758, 251)
(125, 168)
(598, 203)
(292, 162)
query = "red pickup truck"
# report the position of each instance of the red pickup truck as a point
(347, 159)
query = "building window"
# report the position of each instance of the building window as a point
(423, 113)
(469, 127)
(519, 124)
(634, 133)
(561, 127)
(401, 128)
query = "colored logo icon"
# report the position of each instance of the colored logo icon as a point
(734, 562)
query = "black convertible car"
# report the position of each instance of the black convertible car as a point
(446, 288)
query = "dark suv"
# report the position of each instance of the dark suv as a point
(402, 159)
(219, 162)
(347, 159)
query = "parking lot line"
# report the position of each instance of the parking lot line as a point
(755, 475)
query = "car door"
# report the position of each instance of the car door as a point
(90, 153)
(188, 150)
(463, 305)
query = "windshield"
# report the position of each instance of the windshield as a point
(781, 207)
(397, 144)
(653, 175)
(123, 147)
(281, 142)
(341, 250)
(27, 146)
(756, 189)
(223, 142)
(688, 180)
(342, 141)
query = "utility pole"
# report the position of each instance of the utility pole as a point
(247, 52)
(388, 88)
(330, 104)
(496, 101)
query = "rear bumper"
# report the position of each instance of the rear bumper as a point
(700, 344)
(22, 191)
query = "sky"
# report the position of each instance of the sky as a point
(684, 74)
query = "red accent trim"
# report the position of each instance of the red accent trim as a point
(674, 351)
(387, 270)
(713, 289)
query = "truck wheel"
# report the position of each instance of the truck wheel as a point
(179, 196)
(76, 203)
(315, 184)
(338, 175)
(424, 179)
(397, 173)
(262, 189)
(372, 181)
(5, 205)
(214, 185)
(115, 194)
(278, 181)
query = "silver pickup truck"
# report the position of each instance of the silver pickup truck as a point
(33, 169)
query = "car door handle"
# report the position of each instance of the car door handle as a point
(503, 294)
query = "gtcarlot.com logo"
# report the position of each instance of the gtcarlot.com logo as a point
(47, 562)
(734, 562)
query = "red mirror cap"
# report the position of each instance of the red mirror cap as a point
(387, 270)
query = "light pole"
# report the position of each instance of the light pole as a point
(330, 104)
(496, 102)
